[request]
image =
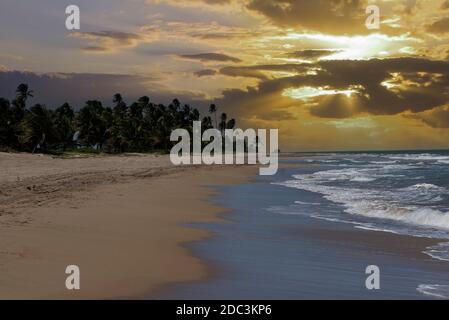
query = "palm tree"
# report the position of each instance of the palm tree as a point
(63, 122)
(22, 94)
(18, 109)
(140, 127)
(230, 124)
(6, 132)
(91, 124)
(223, 122)
(206, 124)
(144, 102)
(213, 109)
(120, 107)
(117, 98)
(37, 127)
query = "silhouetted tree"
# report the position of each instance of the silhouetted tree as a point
(37, 128)
(141, 126)
(213, 109)
(63, 123)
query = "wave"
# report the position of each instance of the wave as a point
(425, 186)
(308, 203)
(408, 205)
(420, 157)
(376, 204)
(389, 196)
(384, 162)
(439, 251)
(434, 290)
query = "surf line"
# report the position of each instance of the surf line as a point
(240, 147)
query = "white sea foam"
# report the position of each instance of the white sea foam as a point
(420, 157)
(308, 203)
(384, 204)
(439, 251)
(362, 179)
(434, 290)
(384, 162)
(425, 186)
(375, 204)
(370, 228)
(373, 201)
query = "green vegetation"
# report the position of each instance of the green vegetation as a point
(140, 127)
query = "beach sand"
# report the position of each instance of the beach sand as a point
(122, 219)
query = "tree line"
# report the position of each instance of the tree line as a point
(142, 126)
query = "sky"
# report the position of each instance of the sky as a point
(311, 69)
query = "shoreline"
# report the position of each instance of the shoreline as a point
(141, 228)
(265, 254)
(127, 227)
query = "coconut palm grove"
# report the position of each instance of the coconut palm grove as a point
(142, 126)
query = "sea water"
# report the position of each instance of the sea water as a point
(399, 192)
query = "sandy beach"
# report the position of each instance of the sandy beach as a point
(127, 222)
(121, 219)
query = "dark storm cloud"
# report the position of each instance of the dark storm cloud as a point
(322, 15)
(76, 88)
(311, 53)
(417, 91)
(417, 85)
(210, 57)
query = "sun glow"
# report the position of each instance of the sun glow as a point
(305, 93)
(353, 47)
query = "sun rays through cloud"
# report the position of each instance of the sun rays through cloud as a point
(286, 63)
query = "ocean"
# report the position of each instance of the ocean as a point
(310, 231)
(403, 193)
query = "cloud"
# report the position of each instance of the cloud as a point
(445, 5)
(436, 118)
(246, 72)
(389, 86)
(210, 57)
(440, 26)
(311, 53)
(190, 2)
(255, 71)
(204, 32)
(330, 16)
(205, 73)
(410, 6)
(345, 88)
(54, 89)
(277, 115)
(107, 41)
(94, 49)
